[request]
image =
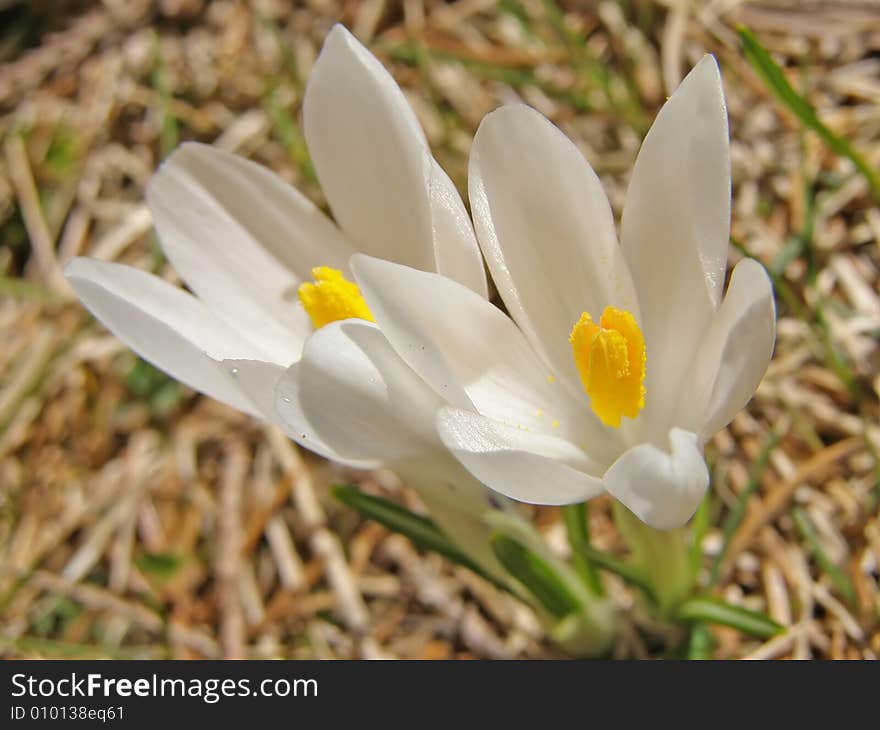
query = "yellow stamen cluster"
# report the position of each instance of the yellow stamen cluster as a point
(611, 360)
(332, 297)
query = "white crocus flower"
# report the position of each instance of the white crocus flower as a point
(244, 241)
(620, 360)
(247, 244)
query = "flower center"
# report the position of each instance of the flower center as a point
(332, 297)
(611, 360)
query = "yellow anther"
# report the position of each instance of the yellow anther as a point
(332, 297)
(611, 360)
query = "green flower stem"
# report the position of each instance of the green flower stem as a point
(577, 528)
(662, 556)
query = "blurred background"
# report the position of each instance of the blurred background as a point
(139, 520)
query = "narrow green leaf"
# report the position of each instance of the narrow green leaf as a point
(840, 579)
(772, 75)
(534, 573)
(700, 642)
(577, 527)
(715, 611)
(421, 530)
(738, 511)
(630, 573)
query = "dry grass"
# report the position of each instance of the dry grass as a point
(140, 520)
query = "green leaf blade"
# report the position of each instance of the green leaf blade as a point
(772, 75)
(840, 579)
(711, 610)
(535, 575)
(420, 530)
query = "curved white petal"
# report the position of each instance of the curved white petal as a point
(267, 384)
(242, 239)
(163, 324)
(675, 230)
(456, 253)
(376, 169)
(291, 417)
(529, 467)
(472, 354)
(662, 488)
(359, 397)
(735, 353)
(546, 230)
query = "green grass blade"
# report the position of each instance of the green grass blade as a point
(714, 611)
(169, 131)
(536, 575)
(840, 579)
(774, 78)
(738, 511)
(288, 132)
(14, 286)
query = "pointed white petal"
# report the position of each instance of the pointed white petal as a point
(164, 325)
(674, 232)
(472, 354)
(456, 253)
(546, 230)
(278, 217)
(529, 467)
(242, 239)
(735, 353)
(375, 166)
(360, 398)
(663, 489)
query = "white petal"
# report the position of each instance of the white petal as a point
(292, 420)
(529, 467)
(257, 379)
(375, 166)
(675, 230)
(662, 488)
(456, 252)
(242, 239)
(267, 384)
(359, 397)
(472, 354)
(735, 353)
(164, 325)
(546, 230)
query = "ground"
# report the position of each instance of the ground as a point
(138, 519)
